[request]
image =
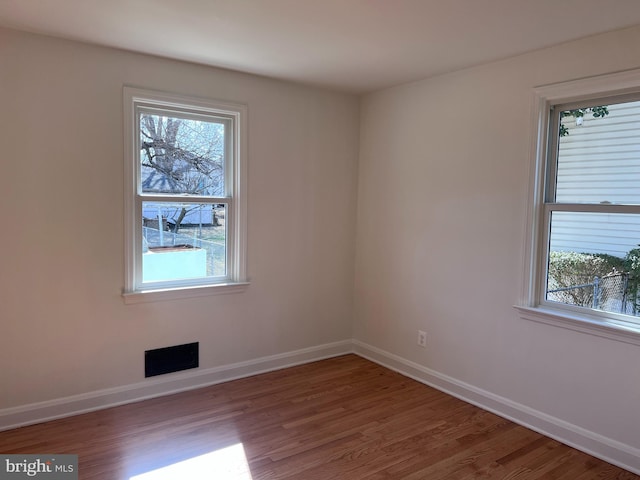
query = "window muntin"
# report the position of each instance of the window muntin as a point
(185, 210)
(592, 208)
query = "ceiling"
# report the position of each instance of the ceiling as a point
(349, 45)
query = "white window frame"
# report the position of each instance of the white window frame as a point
(234, 116)
(532, 305)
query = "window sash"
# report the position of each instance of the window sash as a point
(229, 123)
(543, 266)
(229, 243)
(553, 139)
(606, 317)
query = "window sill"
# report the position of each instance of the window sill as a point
(146, 296)
(610, 329)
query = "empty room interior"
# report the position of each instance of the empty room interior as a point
(342, 239)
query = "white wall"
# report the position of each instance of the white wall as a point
(443, 191)
(64, 328)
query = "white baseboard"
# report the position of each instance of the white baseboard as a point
(607, 449)
(612, 451)
(167, 384)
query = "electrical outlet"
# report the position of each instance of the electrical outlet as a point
(422, 338)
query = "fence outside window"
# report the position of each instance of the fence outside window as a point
(617, 293)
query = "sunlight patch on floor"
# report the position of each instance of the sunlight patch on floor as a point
(228, 463)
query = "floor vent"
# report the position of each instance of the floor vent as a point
(171, 359)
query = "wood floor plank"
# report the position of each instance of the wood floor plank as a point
(342, 418)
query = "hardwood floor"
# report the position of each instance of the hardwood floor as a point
(342, 418)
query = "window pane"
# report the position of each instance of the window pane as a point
(183, 241)
(181, 155)
(594, 261)
(599, 155)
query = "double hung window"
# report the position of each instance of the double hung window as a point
(184, 193)
(584, 262)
